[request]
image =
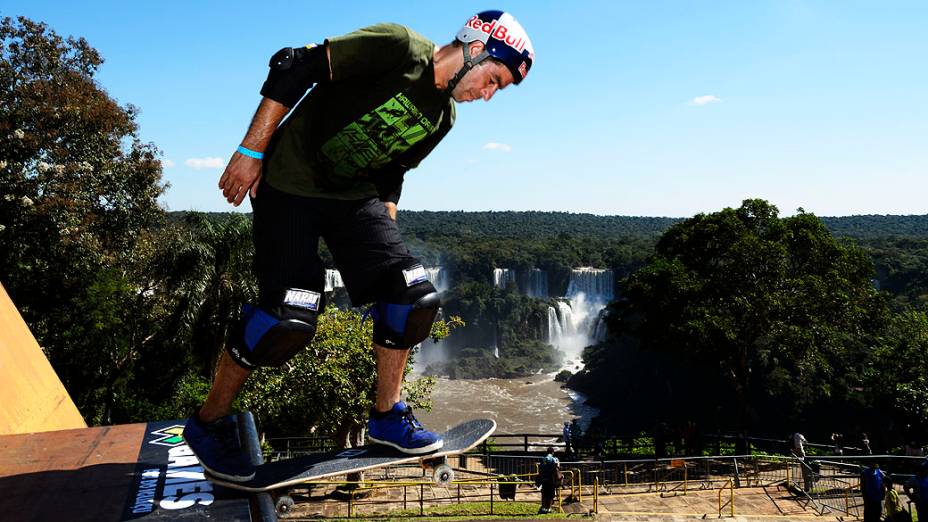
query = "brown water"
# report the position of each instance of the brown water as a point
(534, 404)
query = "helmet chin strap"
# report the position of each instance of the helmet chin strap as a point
(469, 64)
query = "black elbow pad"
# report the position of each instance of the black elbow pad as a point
(293, 71)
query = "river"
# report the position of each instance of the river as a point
(534, 404)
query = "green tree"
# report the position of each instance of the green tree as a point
(775, 311)
(897, 380)
(206, 274)
(195, 277)
(78, 191)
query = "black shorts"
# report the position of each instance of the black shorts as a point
(364, 241)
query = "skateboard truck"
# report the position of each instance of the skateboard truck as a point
(442, 473)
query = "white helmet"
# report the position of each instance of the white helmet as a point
(504, 39)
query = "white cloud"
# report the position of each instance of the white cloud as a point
(502, 147)
(205, 163)
(704, 100)
(168, 164)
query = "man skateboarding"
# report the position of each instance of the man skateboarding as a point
(383, 99)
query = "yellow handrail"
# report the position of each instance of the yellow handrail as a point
(731, 500)
(720, 497)
(732, 486)
(579, 486)
(685, 478)
(572, 483)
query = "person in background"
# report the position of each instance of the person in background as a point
(799, 445)
(892, 506)
(549, 477)
(917, 490)
(873, 490)
(837, 439)
(913, 449)
(575, 434)
(566, 435)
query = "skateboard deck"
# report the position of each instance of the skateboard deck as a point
(289, 472)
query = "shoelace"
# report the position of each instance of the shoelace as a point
(411, 419)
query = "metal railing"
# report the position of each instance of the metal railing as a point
(465, 490)
(524, 442)
(828, 485)
(830, 488)
(289, 447)
(612, 446)
(731, 499)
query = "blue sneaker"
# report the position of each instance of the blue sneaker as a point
(400, 429)
(217, 447)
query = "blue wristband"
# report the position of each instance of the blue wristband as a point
(250, 153)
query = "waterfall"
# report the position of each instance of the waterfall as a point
(569, 330)
(537, 284)
(596, 283)
(333, 280)
(555, 331)
(439, 278)
(503, 276)
(565, 314)
(578, 319)
(496, 352)
(600, 329)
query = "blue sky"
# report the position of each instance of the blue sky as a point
(654, 108)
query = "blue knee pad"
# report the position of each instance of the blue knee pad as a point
(404, 315)
(271, 338)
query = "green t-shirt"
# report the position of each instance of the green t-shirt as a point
(380, 114)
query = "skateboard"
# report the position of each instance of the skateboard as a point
(284, 473)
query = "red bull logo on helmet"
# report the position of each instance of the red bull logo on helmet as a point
(494, 29)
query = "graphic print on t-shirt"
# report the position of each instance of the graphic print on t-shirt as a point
(374, 139)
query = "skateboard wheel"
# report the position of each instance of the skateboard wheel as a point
(443, 474)
(284, 505)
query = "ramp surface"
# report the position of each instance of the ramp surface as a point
(117, 473)
(32, 397)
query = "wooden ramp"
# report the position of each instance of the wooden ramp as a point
(118, 473)
(32, 397)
